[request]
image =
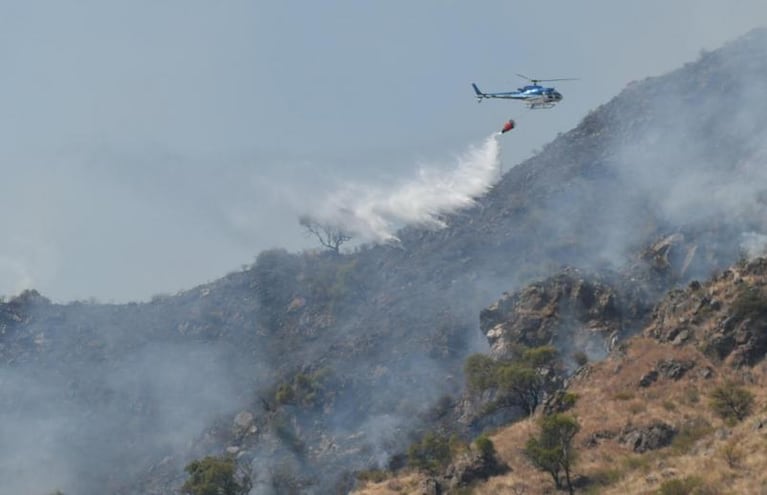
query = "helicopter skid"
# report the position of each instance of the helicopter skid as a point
(540, 106)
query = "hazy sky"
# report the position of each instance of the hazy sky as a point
(150, 146)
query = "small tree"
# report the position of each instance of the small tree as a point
(330, 236)
(431, 453)
(215, 476)
(485, 446)
(543, 357)
(523, 384)
(732, 402)
(552, 450)
(480, 371)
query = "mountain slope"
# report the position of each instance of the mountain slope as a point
(647, 412)
(334, 361)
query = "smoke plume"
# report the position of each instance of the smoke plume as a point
(375, 213)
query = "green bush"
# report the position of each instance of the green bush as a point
(215, 476)
(431, 454)
(540, 357)
(750, 302)
(732, 402)
(569, 400)
(681, 486)
(305, 390)
(480, 371)
(485, 446)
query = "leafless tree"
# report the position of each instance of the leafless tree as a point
(329, 236)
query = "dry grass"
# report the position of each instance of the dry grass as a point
(403, 484)
(729, 460)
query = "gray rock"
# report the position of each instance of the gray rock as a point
(472, 466)
(674, 369)
(429, 486)
(651, 437)
(243, 422)
(648, 379)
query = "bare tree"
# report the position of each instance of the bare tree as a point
(330, 237)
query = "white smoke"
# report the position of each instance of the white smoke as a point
(374, 213)
(753, 244)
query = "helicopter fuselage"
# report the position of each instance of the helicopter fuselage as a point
(534, 95)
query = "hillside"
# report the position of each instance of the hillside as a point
(646, 413)
(308, 367)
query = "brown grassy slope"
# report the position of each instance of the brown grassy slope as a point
(721, 457)
(727, 459)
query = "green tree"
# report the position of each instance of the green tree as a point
(431, 453)
(480, 371)
(215, 476)
(523, 384)
(552, 450)
(544, 356)
(732, 402)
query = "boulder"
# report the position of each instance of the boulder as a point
(243, 422)
(472, 466)
(429, 486)
(650, 437)
(673, 369)
(570, 308)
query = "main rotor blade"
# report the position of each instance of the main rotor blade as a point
(546, 80)
(560, 79)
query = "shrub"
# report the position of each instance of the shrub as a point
(750, 302)
(539, 357)
(304, 390)
(732, 402)
(485, 446)
(215, 476)
(480, 371)
(683, 486)
(569, 400)
(430, 454)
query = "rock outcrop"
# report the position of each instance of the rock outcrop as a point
(650, 437)
(726, 317)
(571, 310)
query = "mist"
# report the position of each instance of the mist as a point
(90, 404)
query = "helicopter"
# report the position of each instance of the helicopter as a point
(534, 95)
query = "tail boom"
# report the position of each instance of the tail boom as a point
(480, 95)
